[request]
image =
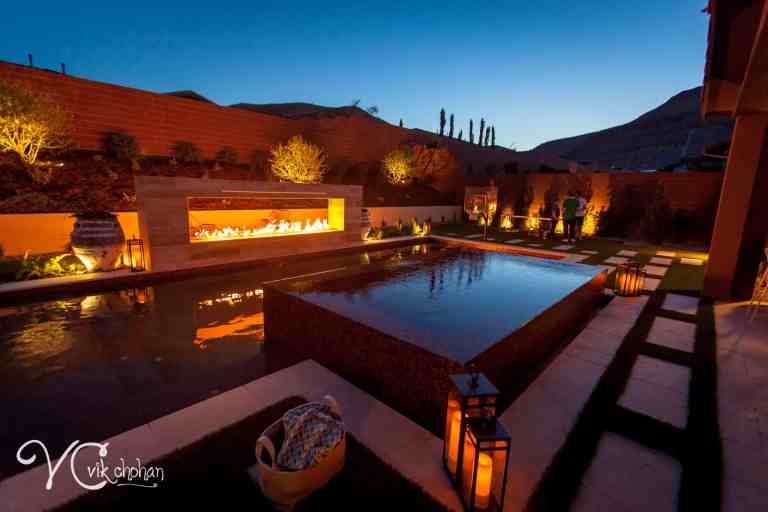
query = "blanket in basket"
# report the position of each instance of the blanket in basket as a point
(311, 431)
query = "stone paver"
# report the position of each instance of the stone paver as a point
(476, 235)
(681, 303)
(654, 270)
(627, 252)
(514, 241)
(575, 258)
(651, 284)
(635, 477)
(673, 377)
(666, 254)
(489, 239)
(691, 261)
(589, 252)
(564, 247)
(536, 245)
(452, 234)
(673, 334)
(655, 401)
(616, 260)
(607, 268)
(661, 261)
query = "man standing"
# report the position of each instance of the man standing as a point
(570, 205)
(581, 212)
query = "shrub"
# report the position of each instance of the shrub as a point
(30, 123)
(298, 161)
(120, 145)
(625, 211)
(398, 166)
(185, 152)
(227, 155)
(45, 266)
(658, 217)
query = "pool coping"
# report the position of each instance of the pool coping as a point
(411, 450)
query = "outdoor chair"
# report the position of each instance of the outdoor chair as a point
(760, 293)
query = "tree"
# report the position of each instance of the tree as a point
(298, 161)
(401, 122)
(30, 123)
(482, 129)
(487, 136)
(450, 128)
(471, 133)
(461, 134)
(398, 166)
(493, 135)
(442, 122)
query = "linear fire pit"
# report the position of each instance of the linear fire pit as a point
(191, 222)
(398, 328)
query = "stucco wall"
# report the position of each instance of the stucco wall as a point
(41, 233)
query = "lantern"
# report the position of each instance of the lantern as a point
(136, 254)
(471, 396)
(505, 222)
(629, 280)
(484, 465)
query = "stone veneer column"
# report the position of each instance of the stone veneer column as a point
(742, 216)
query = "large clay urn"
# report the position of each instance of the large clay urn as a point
(97, 240)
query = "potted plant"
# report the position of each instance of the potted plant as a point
(97, 239)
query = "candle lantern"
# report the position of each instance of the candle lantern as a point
(136, 254)
(472, 395)
(484, 465)
(629, 280)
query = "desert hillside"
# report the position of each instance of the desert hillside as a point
(656, 139)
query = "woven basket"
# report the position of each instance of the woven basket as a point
(286, 488)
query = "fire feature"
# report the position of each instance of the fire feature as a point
(236, 218)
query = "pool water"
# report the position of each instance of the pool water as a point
(454, 301)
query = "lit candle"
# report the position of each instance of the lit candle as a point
(483, 484)
(454, 429)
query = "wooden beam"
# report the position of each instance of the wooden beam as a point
(753, 96)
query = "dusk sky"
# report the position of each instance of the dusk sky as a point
(536, 70)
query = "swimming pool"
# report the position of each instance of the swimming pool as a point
(399, 329)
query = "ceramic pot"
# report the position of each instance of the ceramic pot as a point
(98, 242)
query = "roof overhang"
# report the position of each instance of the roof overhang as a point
(736, 73)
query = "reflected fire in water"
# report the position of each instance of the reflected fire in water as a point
(241, 325)
(273, 228)
(248, 324)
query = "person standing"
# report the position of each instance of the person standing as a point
(570, 205)
(554, 213)
(581, 212)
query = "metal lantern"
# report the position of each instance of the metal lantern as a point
(136, 254)
(484, 465)
(471, 396)
(629, 280)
